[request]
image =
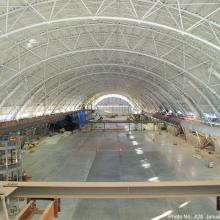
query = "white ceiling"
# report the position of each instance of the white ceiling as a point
(57, 54)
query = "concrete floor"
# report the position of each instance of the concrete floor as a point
(146, 156)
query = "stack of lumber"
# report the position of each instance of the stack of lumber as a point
(86, 129)
(174, 130)
(196, 140)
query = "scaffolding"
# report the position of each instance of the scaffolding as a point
(10, 158)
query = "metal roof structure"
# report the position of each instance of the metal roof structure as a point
(56, 55)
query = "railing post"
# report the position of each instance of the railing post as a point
(5, 211)
(218, 203)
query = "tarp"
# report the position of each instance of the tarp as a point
(82, 118)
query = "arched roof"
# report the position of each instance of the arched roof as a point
(100, 99)
(57, 54)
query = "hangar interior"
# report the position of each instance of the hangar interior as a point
(109, 109)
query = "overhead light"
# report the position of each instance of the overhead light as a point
(33, 41)
(29, 45)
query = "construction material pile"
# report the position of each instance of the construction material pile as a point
(86, 129)
(134, 117)
(174, 130)
(196, 140)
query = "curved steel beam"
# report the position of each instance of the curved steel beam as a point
(115, 19)
(194, 15)
(117, 50)
(44, 44)
(158, 88)
(124, 51)
(89, 89)
(139, 69)
(144, 99)
(151, 83)
(107, 24)
(39, 86)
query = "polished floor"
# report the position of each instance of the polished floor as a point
(145, 156)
